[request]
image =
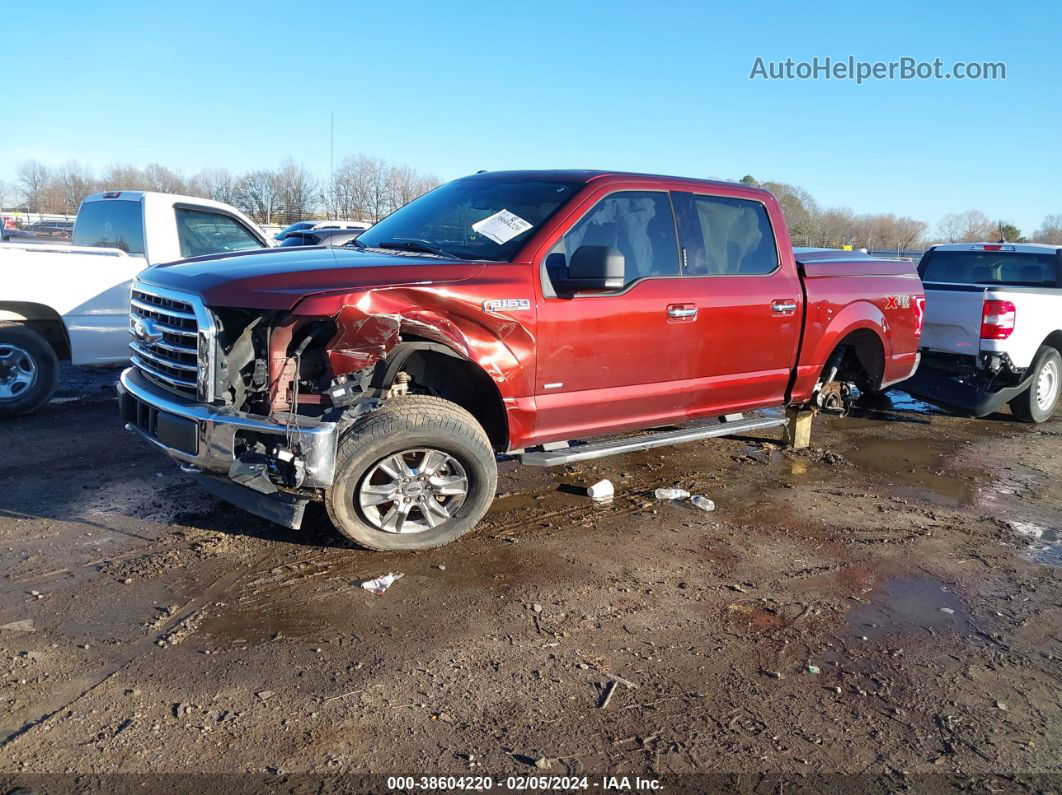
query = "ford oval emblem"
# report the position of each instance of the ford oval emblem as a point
(145, 330)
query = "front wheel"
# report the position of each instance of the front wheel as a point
(1039, 401)
(29, 371)
(417, 473)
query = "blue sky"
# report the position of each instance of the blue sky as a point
(455, 87)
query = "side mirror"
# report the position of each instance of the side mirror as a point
(594, 268)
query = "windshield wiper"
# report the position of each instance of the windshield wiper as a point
(417, 245)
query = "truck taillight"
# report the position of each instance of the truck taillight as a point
(920, 313)
(997, 320)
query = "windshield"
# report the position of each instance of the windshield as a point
(479, 218)
(990, 267)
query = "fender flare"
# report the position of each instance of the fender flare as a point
(858, 316)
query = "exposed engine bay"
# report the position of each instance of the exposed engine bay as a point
(298, 370)
(277, 365)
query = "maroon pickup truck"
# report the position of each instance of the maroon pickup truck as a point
(508, 312)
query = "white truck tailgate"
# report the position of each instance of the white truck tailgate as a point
(953, 318)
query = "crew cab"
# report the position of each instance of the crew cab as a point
(508, 312)
(993, 329)
(71, 302)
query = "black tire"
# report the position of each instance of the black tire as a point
(408, 426)
(25, 349)
(1031, 405)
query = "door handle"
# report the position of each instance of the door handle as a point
(784, 306)
(682, 311)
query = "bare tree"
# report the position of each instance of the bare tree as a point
(297, 191)
(120, 176)
(358, 189)
(375, 195)
(967, 227)
(909, 232)
(74, 182)
(367, 188)
(35, 179)
(834, 228)
(258, 195)
(798, 207)
(404, 184)
(164, 180)
(1050, 230)
(217, 184)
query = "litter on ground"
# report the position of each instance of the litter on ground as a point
(380, 584)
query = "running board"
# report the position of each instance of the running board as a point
(647, 441)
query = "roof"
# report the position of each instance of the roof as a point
(1019, 248)
(590, 175)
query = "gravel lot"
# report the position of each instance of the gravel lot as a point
(884, 607)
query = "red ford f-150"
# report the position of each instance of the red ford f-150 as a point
(506, 312)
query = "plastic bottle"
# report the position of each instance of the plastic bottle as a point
(703, 503)
(671, 494)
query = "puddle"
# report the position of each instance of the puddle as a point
(1043, 544)
(906, 605)
(893, 407)
(916, 467)
(901, 401)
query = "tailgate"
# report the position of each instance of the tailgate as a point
(953, 318)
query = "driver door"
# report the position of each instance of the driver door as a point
(624, 358)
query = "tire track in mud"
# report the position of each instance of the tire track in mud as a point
(68, 696)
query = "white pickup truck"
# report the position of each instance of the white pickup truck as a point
(993, 329)
(71, 302)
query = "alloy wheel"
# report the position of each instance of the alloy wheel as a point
(413, 491)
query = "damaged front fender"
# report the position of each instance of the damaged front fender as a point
(371, 325)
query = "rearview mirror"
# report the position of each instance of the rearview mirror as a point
(594, 268)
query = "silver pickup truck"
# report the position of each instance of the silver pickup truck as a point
(993, 329)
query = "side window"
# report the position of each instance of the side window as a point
(201, 232)
(722, 236)
(639, 224)
(111, 223)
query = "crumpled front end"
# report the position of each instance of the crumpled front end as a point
(257, 398)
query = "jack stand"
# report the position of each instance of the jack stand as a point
(798, 427)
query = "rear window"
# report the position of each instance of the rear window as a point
(723, 236)
(990, 267)
(111, 223)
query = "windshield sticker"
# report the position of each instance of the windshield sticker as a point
(501, 227)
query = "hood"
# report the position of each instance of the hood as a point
(279, 278)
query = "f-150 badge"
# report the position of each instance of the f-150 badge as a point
(506, 304)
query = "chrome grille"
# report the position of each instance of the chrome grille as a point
(171, 338)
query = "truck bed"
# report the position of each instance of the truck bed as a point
(848, 293)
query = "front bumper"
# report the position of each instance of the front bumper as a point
(205, 439)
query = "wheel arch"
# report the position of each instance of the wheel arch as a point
(1053, 340)
(447, 373)
(40, 318)
(863, 360)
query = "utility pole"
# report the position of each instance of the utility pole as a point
(332, 152)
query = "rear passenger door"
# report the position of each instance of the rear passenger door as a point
(622, 358)
(750, 306)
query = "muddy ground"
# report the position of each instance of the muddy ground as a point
(885, 606)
